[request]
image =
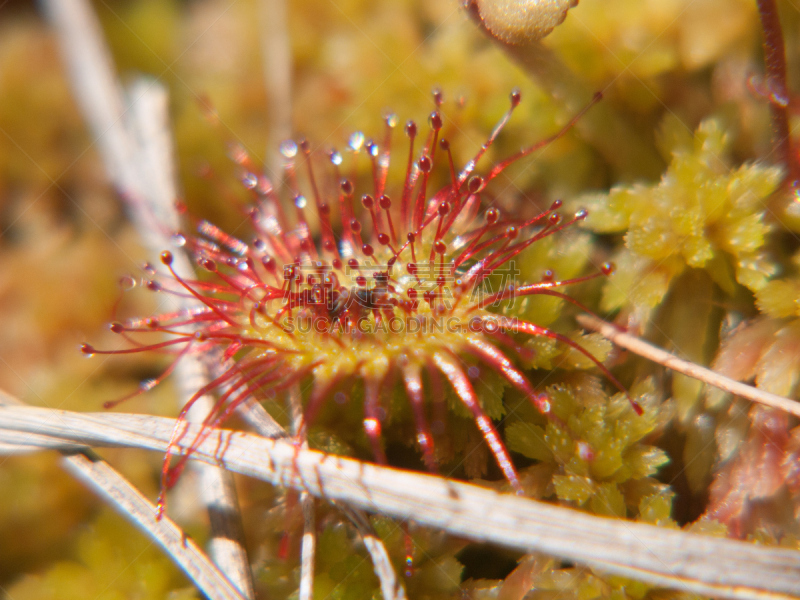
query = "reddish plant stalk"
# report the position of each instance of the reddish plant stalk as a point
(777, 87)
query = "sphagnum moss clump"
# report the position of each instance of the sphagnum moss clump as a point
(592, 454)
(703, 214)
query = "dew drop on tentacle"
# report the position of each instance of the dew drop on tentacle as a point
(270, 264)
(356, 141)
(288, 149)
(249, 180)
(127, 283)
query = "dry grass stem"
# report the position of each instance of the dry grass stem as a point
(391, 587)
(134, 138)
(662, 357)
(127, 500)
(308, 544)
(675, 559)
(308, 547)
(120, 494)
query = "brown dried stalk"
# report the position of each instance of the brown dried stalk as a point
(777, 88)
(664, 358)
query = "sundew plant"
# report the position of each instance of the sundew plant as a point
(388, 223)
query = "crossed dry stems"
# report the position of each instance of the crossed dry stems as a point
(133, 132)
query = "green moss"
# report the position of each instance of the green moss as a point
(112, 561)
(594, 450)
(702, 214)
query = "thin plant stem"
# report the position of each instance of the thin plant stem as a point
(611, 133)
(777, 87)
(690, 369)
(133, 136)
(108, 483)
(391, 587)
(308, 543)
(676, 559)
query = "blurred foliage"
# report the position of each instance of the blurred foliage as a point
(111, 561)
(706, 266)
